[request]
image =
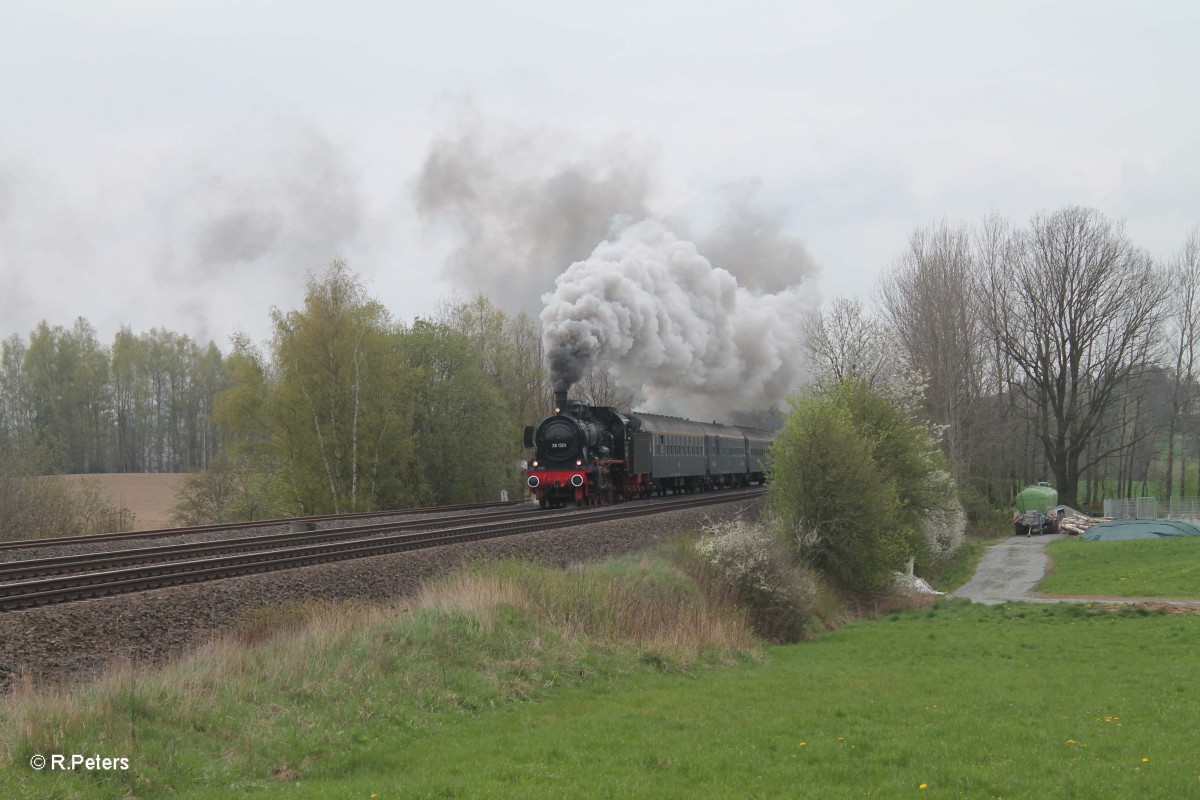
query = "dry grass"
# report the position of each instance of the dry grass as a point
(626, 602)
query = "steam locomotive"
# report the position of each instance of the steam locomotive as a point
(589, 455)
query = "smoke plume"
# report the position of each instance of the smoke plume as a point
(524, 204)
(283, 203)
(658, 315)
(749, 240)
(701, 330)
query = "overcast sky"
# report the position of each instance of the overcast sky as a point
(185, 164)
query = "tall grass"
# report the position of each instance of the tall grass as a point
(627, 602)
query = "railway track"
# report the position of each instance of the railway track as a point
(39, 582)
(160, 533)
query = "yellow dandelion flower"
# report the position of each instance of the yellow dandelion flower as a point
(841, 738)
(1070, 741)
(804, 744)
(923, 786)
(1145, 761)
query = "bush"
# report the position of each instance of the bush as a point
(944, 525)
(863, 486)
(232, 490)
(37, 506)
(781, 597)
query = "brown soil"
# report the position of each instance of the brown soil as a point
(150, 496)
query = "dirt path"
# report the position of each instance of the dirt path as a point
(1009, 571)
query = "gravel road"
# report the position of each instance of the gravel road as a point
(1009, 571)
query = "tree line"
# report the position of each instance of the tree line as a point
(344, 409)
(350, 410)
(1057, 350)
(71, 403)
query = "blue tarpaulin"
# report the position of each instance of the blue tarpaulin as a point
(1139, 529)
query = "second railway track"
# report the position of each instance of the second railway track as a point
(66, 578)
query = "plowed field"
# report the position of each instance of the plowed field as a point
(150, 496)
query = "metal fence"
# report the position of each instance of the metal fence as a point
(1150, 508)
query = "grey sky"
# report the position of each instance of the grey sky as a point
(184, 164)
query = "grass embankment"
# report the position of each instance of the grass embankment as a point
(345, 690)
(1168, 567)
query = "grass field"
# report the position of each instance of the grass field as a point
(963, 701)
(520, 682)
(1168, 567)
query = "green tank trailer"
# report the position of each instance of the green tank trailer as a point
(1035, 510)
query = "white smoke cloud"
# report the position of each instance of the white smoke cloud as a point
(658, 315)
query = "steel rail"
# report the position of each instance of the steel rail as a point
(98, 584)
(14, 571)
(22, 544)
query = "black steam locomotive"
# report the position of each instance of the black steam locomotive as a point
(589, 455)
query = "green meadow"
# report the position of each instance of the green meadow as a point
(1166, 567)
(960, 701)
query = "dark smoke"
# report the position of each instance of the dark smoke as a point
(238, 237)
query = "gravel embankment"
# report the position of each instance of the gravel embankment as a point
(74, 640)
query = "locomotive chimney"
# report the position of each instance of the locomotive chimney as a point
(560, 395)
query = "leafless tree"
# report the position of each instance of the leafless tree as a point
(842, 342)
(598, 388)
(1077, 309)
(1183, 278)
(928, 300)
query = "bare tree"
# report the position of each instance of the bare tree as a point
(843, 343)
(598, 388)
(927, 298)
(1183, 276)
(1077, 308)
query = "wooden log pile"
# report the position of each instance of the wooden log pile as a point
(1074, 524)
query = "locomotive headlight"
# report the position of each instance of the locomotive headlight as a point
(578, 463)
(535, 463)
(558, 411)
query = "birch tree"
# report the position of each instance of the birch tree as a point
(331, 409)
